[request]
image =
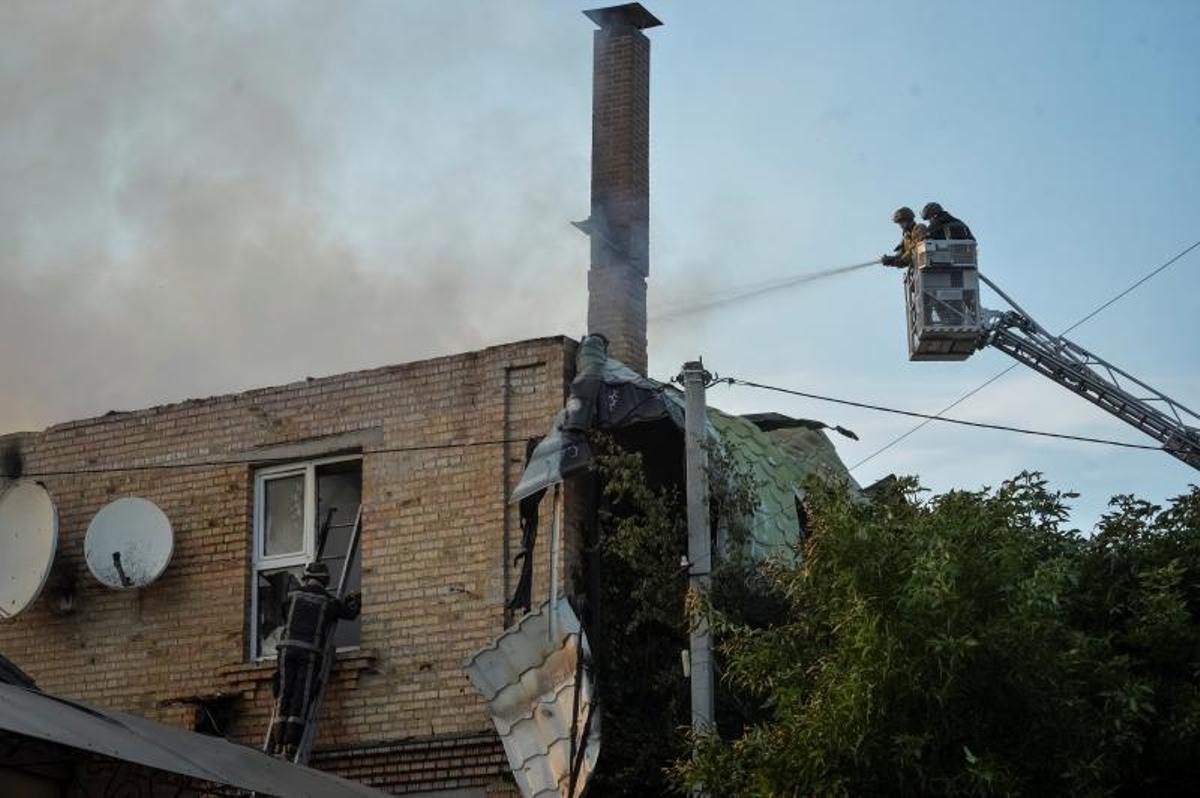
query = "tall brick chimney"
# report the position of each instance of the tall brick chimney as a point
(619, 226)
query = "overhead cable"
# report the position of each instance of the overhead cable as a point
(939, 413)
(928, 417)
(1152, 273)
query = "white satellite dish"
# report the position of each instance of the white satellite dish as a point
(28, 541)
(128, 543)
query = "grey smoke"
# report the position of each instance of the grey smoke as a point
(200, 198)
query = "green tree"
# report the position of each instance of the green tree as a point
(641, 540)
(643, 698)
(968, 644)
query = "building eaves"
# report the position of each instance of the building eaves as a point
(130, 738)
(768, 422)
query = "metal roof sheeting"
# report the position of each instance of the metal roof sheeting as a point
(155, 745)
(528, 681)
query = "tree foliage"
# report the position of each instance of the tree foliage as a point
(641, 543)
(967, 644)
(643, 696)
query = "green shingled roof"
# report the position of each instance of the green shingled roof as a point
(778, 461)
(779, 456)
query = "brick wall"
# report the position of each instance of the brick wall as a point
(423, 765)
(433, 547)
(620, 190)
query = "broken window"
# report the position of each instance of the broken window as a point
(214, 714)
(302, 512)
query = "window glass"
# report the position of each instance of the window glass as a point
(296, 502)
(283, 515)
(339, 488)
(273, 588)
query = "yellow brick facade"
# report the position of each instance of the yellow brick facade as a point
(436, 531)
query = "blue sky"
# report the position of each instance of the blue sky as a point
(1064, 133)
(209, 198)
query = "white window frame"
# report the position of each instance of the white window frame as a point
(261, 562)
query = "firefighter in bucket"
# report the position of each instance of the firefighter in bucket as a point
(910, 233)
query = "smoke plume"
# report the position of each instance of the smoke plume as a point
(201, 198)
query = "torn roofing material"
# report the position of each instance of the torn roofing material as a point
(608, 395)
(539, 692)
(624, 398)
(135, 739)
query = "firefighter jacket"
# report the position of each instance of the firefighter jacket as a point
(312, 613)
(907, 247)
(945, 226)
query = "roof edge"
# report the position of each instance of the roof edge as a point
(309, 382)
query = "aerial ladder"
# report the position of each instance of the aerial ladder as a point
(947, 322)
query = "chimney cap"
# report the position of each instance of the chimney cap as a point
(629, 15)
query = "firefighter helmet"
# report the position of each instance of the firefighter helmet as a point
(318, 571)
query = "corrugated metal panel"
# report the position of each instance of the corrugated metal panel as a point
(529, 683)
(134, 739)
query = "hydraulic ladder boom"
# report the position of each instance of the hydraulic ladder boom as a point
(946, 322)
(1015, 333)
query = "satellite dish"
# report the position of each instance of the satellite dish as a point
(28, 540)
(128, 543)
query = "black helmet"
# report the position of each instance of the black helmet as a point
(318, 571)
(903, 214)
(930, 210)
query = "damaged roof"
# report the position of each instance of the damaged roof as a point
(539, 691)
(778, 462)
(779, 452)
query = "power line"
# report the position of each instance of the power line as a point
(1130, 288)
(939, 413)
(250, 460)
(928, 417)
(1154, 272)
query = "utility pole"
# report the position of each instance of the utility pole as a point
(695, 379)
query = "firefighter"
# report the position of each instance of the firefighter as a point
(911, 233)
(944, 226)
(311, 618)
